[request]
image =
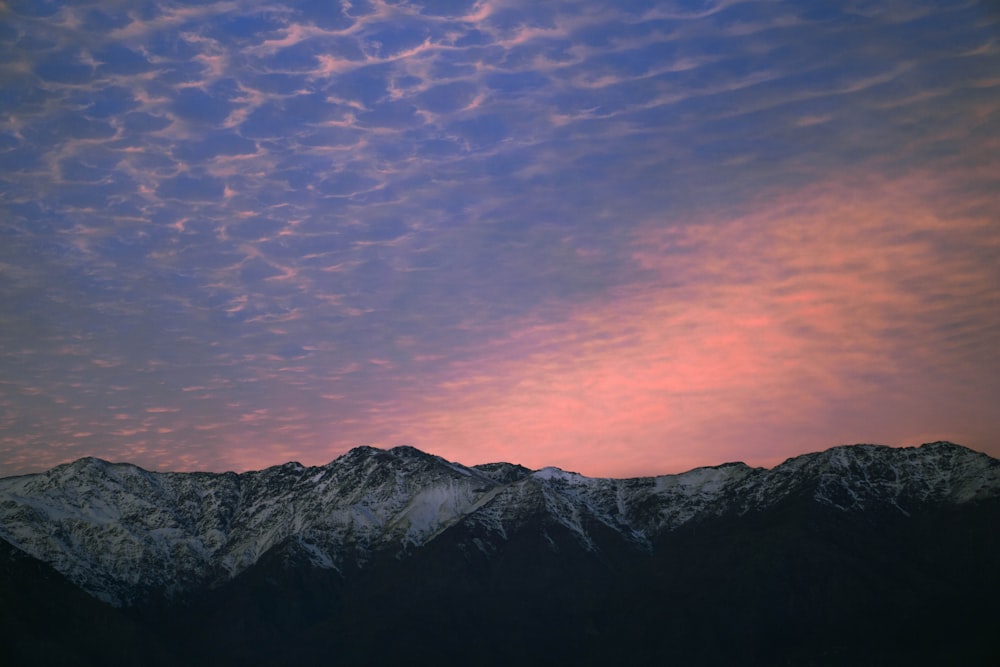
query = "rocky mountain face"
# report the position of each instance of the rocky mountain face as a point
(385, 555)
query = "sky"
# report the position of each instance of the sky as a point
(625, 238)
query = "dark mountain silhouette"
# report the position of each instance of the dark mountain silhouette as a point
(860, 555)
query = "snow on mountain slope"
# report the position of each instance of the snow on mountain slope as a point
(123, 533)
(861, 477)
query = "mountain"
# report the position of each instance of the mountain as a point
(857, 555)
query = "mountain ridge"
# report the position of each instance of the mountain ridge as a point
(121, 532)
(860, 554)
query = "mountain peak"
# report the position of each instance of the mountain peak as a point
(121, 532)
(554, 473)
(87, 462)
(501, 534)
(407, 450)
(503, 472)
(399, 451)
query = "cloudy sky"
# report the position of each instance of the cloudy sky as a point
(624, 238)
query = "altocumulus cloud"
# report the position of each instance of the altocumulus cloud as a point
(626, 238)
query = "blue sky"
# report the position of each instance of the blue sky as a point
(625, 238)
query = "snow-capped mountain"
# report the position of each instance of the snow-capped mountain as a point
(124, 534)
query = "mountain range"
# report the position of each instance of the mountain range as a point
(857, 555)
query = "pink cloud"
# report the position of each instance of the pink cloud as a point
(824, 316)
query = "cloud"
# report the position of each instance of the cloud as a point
(756, 337)
(512, 208)
(191, 187)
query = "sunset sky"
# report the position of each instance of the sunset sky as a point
(625, 238)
